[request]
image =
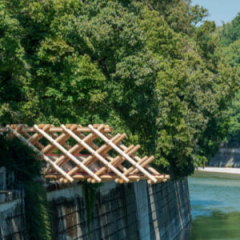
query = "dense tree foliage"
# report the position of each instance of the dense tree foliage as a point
(230, 40)
(21, 160)
(140, 66)
(230, 31)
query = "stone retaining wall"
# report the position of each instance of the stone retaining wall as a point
(120, 212)
(12, 224)
(226, 157)
(131, 211)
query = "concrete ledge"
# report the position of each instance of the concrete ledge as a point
(8, 196)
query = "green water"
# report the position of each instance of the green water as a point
(215, 201)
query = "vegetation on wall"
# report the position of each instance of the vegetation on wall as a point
(38, 216)
(16, 157)
(89, 194)
(140, 66)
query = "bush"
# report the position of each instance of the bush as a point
(17, 157)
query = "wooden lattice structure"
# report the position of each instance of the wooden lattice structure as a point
(73, 152)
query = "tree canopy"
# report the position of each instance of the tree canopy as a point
(230, 41)
(140, 66)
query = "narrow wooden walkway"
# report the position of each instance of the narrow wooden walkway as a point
(73, 152)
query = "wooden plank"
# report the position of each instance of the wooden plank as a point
(104, 149)
(59, 129)
(135, 149)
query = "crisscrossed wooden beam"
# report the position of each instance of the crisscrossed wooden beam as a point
(40, 153)
(73, 152)
(122, 153)
(62, 149)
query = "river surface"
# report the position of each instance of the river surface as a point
(215, 201)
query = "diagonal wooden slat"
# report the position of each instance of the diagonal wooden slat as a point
(40, 153)
(136, 148)
(60, 139)
(89, 160)
(103, 169)
(123, 154)
(104, 149)
(36, 137)
(74, 159)
(55, 136)
(143, 162)
(38, 144)
(59, 167)
(97, 155)
(78, 147)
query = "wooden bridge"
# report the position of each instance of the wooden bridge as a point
(73, 152)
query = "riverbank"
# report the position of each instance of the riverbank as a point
(219, 170)
(226, 157)
(215, 206)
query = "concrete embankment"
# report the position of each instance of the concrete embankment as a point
(12, 223)
(226, 157)
(220, 170)
(132, 211)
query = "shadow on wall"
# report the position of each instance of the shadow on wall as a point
(114, 216)
(170, 210)
(121, 213)
(12, 220)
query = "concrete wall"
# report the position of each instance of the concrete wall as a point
(131, 211)
(226, 157)
(12, 224)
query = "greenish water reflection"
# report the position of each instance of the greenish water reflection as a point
(216, 226)
(215, 201)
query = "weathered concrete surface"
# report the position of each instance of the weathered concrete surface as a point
(120, 212)
(131, 211)
(226, 157)
(170, 209)
(11, 215)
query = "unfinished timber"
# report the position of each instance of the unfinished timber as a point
(75, 153)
